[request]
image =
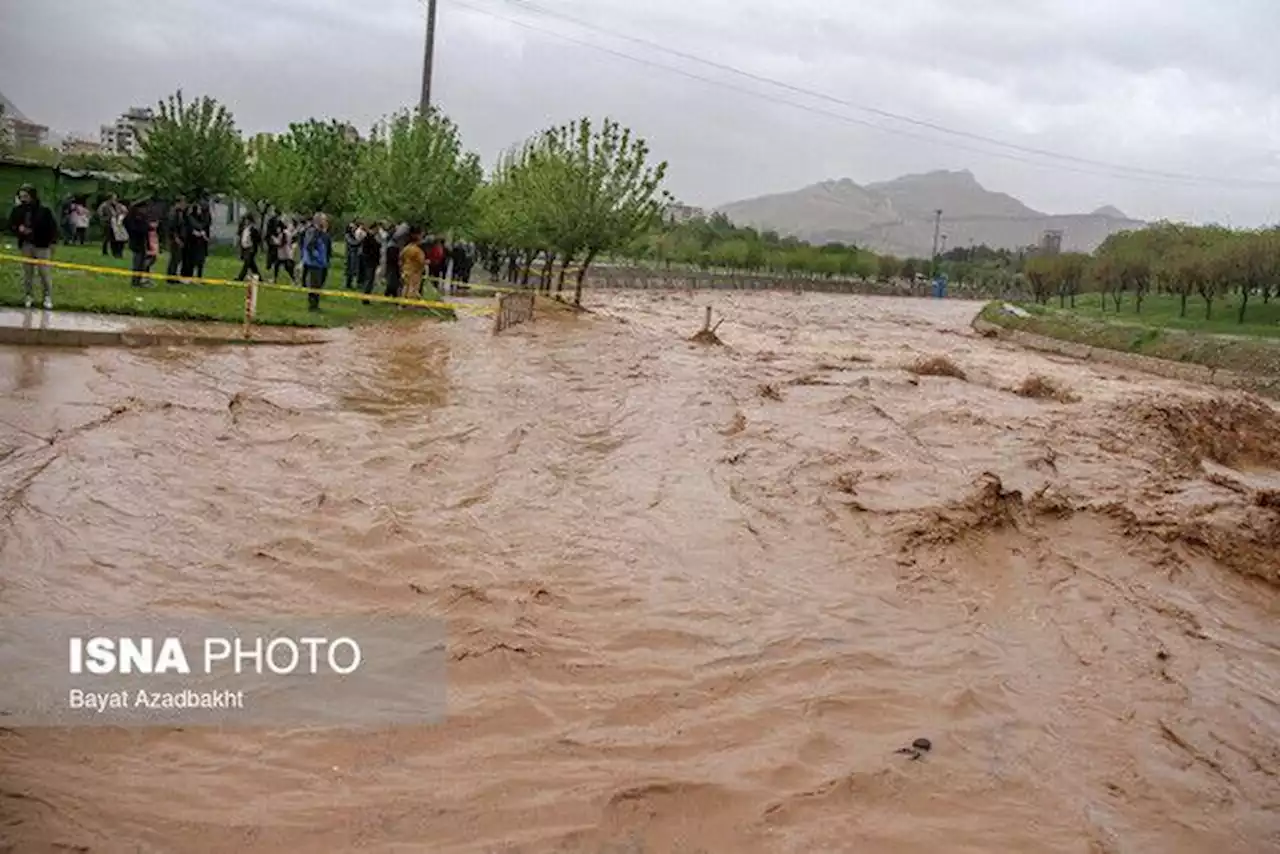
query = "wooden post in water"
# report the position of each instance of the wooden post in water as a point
(250, 304)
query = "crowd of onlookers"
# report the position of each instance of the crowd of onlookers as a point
(400, 258)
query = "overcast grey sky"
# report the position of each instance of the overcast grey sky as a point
(1187, 86)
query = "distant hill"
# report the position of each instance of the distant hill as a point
(897, 216)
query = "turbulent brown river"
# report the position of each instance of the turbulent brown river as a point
(697, 596)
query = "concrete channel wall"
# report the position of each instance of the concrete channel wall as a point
(1185, 371)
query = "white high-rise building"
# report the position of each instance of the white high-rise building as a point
(126, 135)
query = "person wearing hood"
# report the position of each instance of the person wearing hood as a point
(317, 253)
(37, 230)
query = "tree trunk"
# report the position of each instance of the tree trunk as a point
(564, 266)
(582, 274)
(1208, 308)
(1244, 303)
(548, 267)
(1183, 311)
(1118, 298)
(526, 269)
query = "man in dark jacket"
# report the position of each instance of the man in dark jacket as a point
(461, 257)
(37, 230)
(138, 225)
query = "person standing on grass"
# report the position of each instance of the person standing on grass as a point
(395, 242)
(286, 242)
(199, 227)
(142, 233)
(176, 226)
(68, 233)
(107, 216)
(367, 259)
(79, 221)
(119, 234)
(413, 264)
(317, 251)
(249, 239)
(37, 231)
(352, 237)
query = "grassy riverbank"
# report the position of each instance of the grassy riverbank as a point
(1159, 332)
(104, 293)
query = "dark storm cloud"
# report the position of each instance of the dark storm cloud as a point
(1180, 85)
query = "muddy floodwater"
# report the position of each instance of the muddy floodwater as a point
(697, 596)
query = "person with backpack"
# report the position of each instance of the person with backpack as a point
(37, 230)
(250, 240)
(317, 253)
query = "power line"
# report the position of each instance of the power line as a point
(1115, 170)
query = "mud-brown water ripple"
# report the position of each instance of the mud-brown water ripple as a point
(685, 614)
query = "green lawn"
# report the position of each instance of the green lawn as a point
(1159, 331)
(1164, 311)
(75, 290)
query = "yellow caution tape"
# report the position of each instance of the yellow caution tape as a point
(341, 294)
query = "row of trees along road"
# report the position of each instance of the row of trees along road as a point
(1168, 258)
(1208, 262)
(569, 193)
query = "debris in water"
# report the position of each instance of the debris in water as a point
(937, 366)
(770, 392)
(707, 334)
(918, 748)
(1040, 387)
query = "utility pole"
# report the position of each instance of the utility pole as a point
(428, 57)
(937, 232)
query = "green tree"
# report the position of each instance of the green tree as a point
(1071, 270)
(272, 176)
(414, 169)
(1042, 272)
(612, 191)
(193, 149)
(888, 267)
(1255, 262)
(327, 155)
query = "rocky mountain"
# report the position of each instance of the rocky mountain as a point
(897, 216)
